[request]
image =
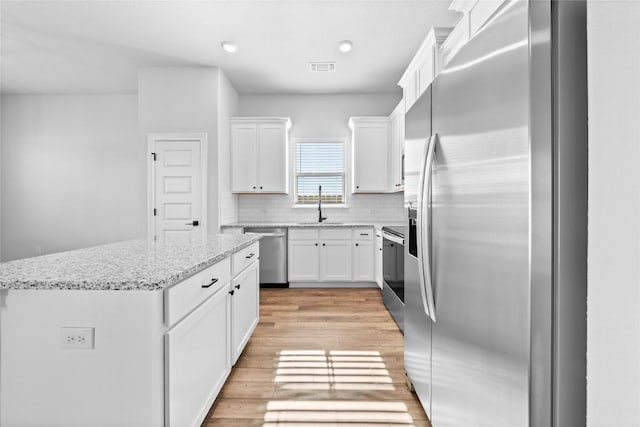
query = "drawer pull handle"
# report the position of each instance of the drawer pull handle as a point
(237, 286)
(231, 292)
(249, 256)
(364, 234)
(213, 282)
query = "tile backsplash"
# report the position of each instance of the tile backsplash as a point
(361, 207)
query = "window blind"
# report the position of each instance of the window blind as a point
(319, 163)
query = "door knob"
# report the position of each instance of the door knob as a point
(195, 223)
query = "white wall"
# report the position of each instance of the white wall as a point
(183, 99)
(228, 106)
(69, 172)
(613, 313)
(319, 116)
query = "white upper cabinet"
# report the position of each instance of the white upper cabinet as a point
(424, 66)
(244, 158)
(475, 13)
(396, 154)
(259, 154)
(370, 154)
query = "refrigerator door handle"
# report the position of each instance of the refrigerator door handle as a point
(423, 230)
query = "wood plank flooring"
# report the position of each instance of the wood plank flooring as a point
(320, 358)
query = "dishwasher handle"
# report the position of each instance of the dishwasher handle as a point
(269, 234)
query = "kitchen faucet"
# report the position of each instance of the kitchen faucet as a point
(320, 217)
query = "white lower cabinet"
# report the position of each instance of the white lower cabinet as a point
(304, 260)
(331, 255)
(377, 254)
(335, 260)
(363, 262)
(197, 361)
(245, 308)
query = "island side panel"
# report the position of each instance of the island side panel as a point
(118, 383)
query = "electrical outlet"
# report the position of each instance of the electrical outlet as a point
(77, 338)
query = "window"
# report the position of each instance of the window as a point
(319, 163)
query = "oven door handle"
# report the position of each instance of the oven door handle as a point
(424, 232)
(392, 238)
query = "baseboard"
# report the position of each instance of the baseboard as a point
(333, 285)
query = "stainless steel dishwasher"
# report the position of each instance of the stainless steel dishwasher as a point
(273, 255)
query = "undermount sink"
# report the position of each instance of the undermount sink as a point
(320, 223)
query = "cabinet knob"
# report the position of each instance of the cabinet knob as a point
(323, 244)
(356, 244)
(261, 187)
(357, 186)
(254, 187)
(380, 249)
(237, 286)
(316, 244)
(231, 292)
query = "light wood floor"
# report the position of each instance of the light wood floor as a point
(320, 357)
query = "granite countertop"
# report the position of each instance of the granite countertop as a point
(309, 224)
(140, 264)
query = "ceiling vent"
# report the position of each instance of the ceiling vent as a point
(322, 67)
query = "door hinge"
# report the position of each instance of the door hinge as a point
(155, 212)
(154, 156)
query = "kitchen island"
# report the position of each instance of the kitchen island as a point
(136, 333)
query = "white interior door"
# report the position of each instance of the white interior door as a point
(178, 185)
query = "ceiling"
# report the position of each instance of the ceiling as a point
(97, 46)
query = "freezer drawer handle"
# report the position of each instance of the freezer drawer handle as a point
(213, 282)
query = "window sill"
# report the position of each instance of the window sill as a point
(338, 206)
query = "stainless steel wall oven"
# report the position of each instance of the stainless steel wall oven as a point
(393, 272)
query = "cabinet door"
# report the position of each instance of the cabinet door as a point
(363, 261)
(426, 72)
(411, 91)
(197, 361)
(370, 157)
(395, 169)
(273, 159)
(304, 263)
(335, 260)
(245, 308)
(243, 157)
(377, 254)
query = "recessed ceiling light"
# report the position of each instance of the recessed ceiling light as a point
(230, 47)
(345, 46)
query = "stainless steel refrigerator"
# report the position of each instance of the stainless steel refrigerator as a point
(495, 194)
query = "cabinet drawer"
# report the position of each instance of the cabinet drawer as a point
(362, 233)
(244, 257)
(335, 234)
(303, 234)
(184, 296)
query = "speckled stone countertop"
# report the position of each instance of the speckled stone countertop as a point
(140, 264)
(309, 224)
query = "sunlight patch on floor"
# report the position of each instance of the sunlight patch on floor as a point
(330, 371)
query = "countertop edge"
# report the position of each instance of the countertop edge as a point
(170, 280)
